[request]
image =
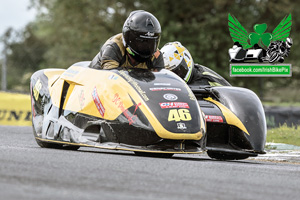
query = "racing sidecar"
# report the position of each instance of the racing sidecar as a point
(149, 113)
(152, 113)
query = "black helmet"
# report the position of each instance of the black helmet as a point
(141, 34)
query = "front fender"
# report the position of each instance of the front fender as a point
(246, 105)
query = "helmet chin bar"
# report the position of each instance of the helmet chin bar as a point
(134, 55)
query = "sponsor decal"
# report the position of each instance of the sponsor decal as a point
(71, 72)
(170, 97)
(149, 34)
(213, 118)
(179, 115)
(190, 93)
(135, 85)
(36, 89)
(156, 54)
(98, 102)
(81, 99)
(165, 89)
(166, 84)
(15, 109)
(119, 103)
(173, 105)
(181, 126)
(15, 116)
(113, 77)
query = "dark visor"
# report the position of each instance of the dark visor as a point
(181, 70)
(144, 46)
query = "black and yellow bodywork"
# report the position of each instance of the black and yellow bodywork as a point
(150, 113)
(236, 123)
(136, 110)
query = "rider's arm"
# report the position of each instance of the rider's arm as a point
(109, 64)
(109, 57)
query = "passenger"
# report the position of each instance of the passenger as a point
(179, 60)
(135, 47)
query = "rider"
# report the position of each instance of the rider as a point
(179, 60)
(135, 47)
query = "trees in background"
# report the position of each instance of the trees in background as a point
(69, 31)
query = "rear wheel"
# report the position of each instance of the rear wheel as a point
(156, 155)
(226, 156)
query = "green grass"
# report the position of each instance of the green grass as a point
(284, 134)
(283, 104)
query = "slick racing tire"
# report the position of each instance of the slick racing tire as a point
(226, 156)
(156, 155)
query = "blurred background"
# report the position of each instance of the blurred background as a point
(58, 33)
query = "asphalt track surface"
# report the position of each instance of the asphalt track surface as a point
(30, 172)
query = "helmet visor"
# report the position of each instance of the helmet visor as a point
(144, 44)
(182, 69)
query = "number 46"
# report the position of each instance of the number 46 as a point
(179, 115)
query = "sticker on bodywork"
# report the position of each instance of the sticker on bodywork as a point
(98, 103)
(81, 99)
(181, 126)
(173, 105)
(36, 89)
(170, 97)
(113, 77)
(131, 117)
(213, 118)
(165, 84)
(179, 115)
(164, 89)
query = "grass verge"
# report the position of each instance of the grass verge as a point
(284, 134)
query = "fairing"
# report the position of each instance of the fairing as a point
(248, 108)
(117, 107)
(143, 111)
(235, 119)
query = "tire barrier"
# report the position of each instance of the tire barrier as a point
(277, 116)
(15, 109)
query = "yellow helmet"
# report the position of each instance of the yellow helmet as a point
(178, 59)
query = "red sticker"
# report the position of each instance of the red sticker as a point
(156, 54)
(98, 103)
(131, 117)
(213, 118)
(173, 105)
